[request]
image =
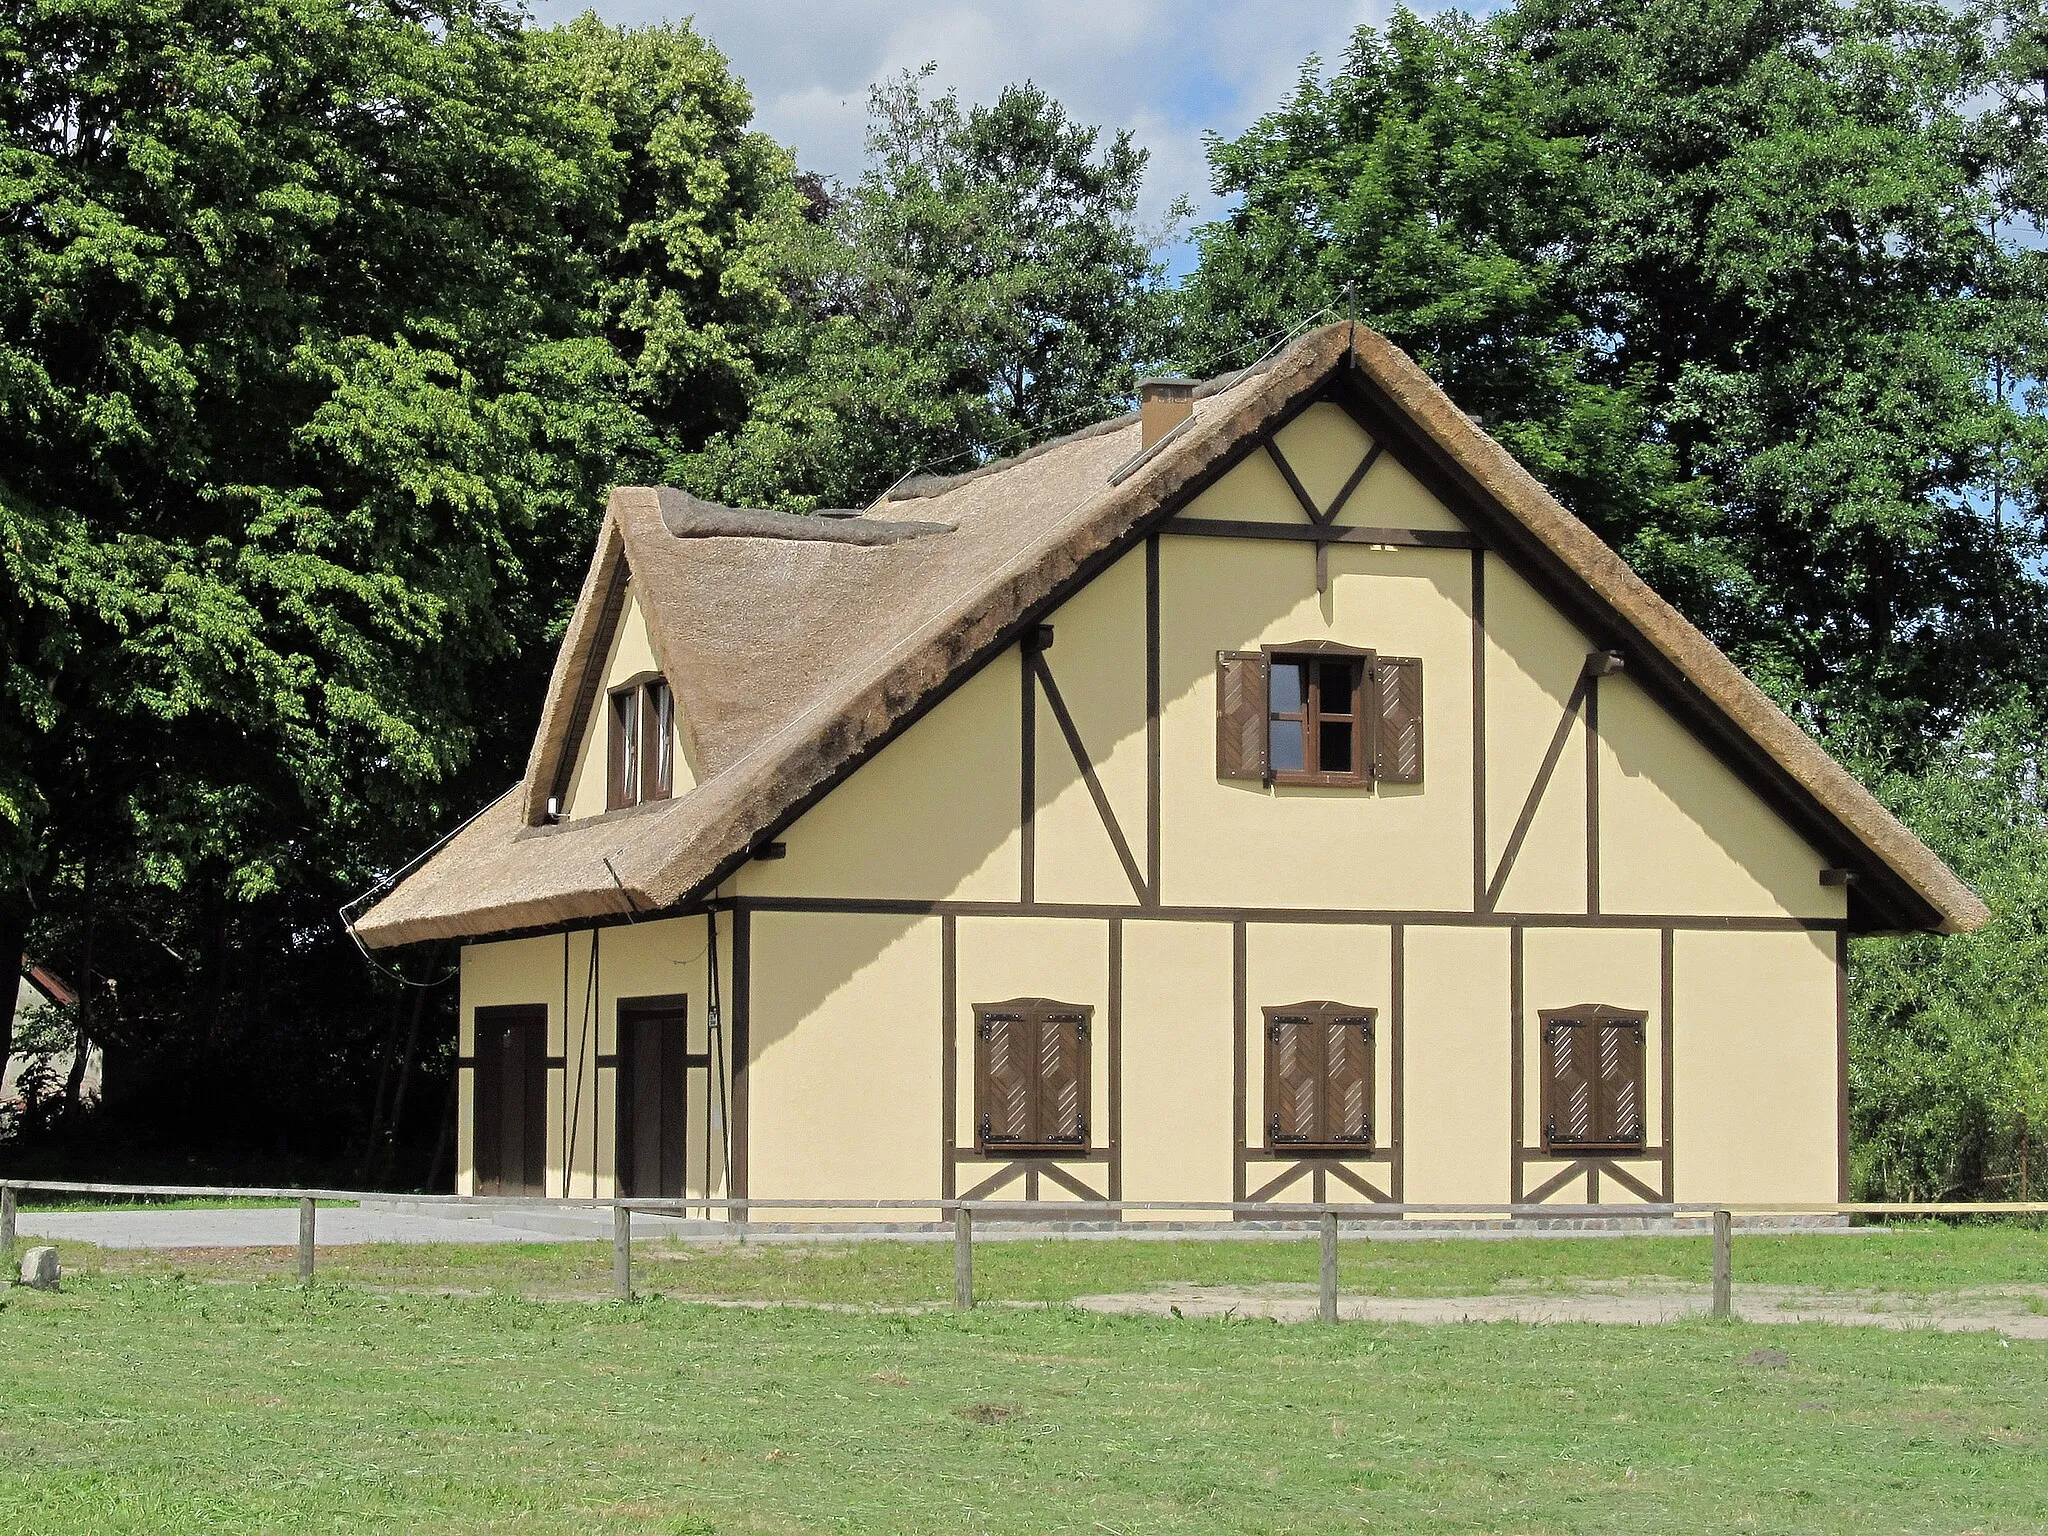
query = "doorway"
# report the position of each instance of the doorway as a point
(511, 1099)
(654, 1060)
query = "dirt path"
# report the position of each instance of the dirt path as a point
(2019, 1312)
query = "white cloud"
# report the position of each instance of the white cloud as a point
(1168, 71)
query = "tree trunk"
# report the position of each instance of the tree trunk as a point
(412, 1044)
(88, 991)
(450, 1108)
(388, 1055)
(13, 935)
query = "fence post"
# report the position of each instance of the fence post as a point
(963, 1259)
(1724, 1266)
(305, 1242)
(1329, 1266)
(7, 1198)
(622, 1252)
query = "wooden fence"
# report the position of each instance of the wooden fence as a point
(1326, 1214)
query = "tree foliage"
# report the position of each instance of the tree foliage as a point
(324, 326)
(982, 285)
(1754, 285)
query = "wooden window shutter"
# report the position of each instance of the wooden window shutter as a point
(657, 738)
(1319, 1077)
(1620, 1069)
(624, 786)
(1005, 1049)
(1568, 1084)
(1241, 740)
(1292, 1078)
(1063, 1079)
(1395, 708)
(1347, 1079)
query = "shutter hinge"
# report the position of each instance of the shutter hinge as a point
(1080, 1029)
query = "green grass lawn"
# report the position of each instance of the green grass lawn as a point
(144, 1403)
(1921, 1259)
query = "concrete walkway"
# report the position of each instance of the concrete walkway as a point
(266, 1227)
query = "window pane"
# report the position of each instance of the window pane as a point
(1335, 741)
(1287, 687)
(1335, 690)
(1286, 746)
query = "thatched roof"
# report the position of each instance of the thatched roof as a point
(880, 615)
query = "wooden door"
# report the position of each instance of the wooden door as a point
(653, 1056)
(511, 1100)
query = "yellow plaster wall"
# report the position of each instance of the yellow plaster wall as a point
(644, 960)
(495, 975)
(844, 1087)
(1097, 661)
(1390, 497)
(1294, 964)
(1066, 959)
(1754, 1099)
(1324, 447)
(1457, 1068)
(1252, 492)
(1533, 661)
(1236, 843)
(631, 656)
(1676, 826)
(932, 816)
(1561, 967)
(1177, 1065)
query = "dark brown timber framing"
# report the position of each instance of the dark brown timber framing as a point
(1841, 1066)
(742, 1048)
(1152, 697)
(1027, 771)
(1879, 901)
(1319, 533)
(1478, 730)
(1086, 764)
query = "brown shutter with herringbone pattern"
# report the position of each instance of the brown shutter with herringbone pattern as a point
(1063, 1079)
(1005, 1050)
(1620, 1066)
(1241, 727)
(1395, 687)
(1292, 1077)
(1347, 1079)
(1568, 1081)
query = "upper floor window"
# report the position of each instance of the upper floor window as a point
(1592, 1079)
(643, 718)
(1318, 713)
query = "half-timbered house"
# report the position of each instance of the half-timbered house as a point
(1270, 794)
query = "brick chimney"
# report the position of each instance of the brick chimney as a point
(1163, 404)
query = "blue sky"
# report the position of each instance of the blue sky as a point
(1169, 70)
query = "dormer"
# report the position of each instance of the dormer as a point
(632, 747)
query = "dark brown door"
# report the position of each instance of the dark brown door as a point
(653, 1055)
(512, 1100)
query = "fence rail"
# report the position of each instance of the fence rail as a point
(1327, 1215)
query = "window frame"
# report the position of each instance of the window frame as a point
(1036, 1012)
(639, 742)
(1328, 1012)
(1595, 1017)
(1312, 656)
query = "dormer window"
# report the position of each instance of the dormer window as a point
(643, 718)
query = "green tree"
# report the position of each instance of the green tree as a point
(324, 327)
(984, 284)
(1750, 283)
(1948, 1037)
